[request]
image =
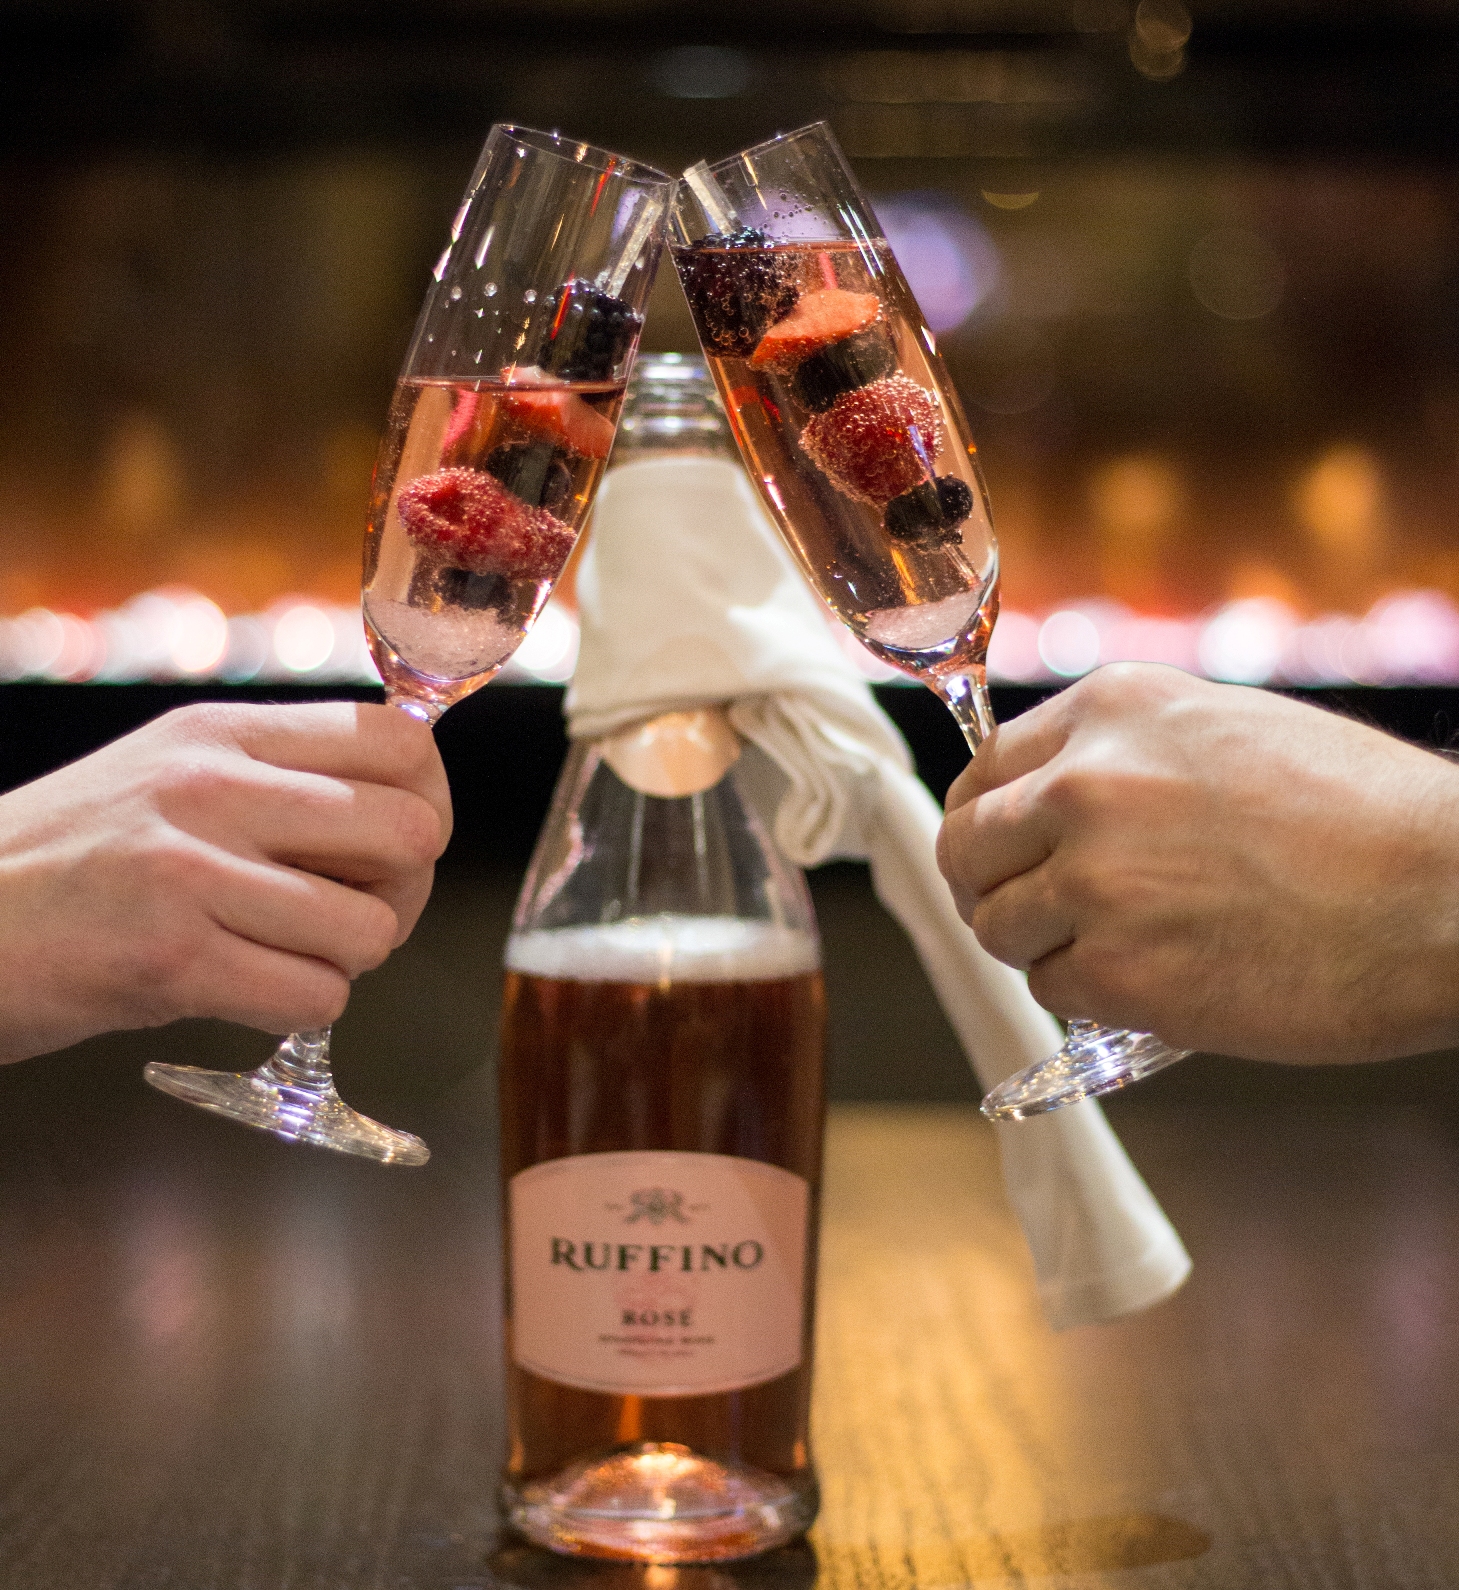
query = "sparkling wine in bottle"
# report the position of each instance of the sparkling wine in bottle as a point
(662, 1105)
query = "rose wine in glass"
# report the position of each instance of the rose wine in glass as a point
(479, 495)
(501, 424)
(851, 429)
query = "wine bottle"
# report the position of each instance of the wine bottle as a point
(662, 1108)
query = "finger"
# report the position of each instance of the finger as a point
(1081, 981)
(1024, 920)
(994, 838)
(1013, 749)
(342, 828)
(257, 985)
(352, 740)
(301, 914)
(359, 833)
(406, 896)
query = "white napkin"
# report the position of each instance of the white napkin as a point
(688, 598)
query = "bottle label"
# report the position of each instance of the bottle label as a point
(658, 1274)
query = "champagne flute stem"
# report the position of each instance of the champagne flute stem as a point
(302, 1061)
(966, 696)
(427, 712)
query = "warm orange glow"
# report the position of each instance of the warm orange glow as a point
(630, 1420)
(1339, 501)
(1136, 501)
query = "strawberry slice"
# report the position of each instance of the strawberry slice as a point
(560, 417)
(818, 320)
(463, 418)
(878, 441)
(477, 524)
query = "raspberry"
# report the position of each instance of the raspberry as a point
(478, 524)
(879, 441)
(736, 285)
(533, 471)
(818, 320)
(590, 335)
(854, 361)
(930, 513)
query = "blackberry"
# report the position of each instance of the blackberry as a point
(931, 512)
(737, 285)
(458, 588)
(855, 361)
(534, 472)
(589, 335)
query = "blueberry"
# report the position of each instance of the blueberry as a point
(857, 360)
(931, 512)
(589, 335)
(432, 584)
(463, 588)
(533, 471)
(737, 285)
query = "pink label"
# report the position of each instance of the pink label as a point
(658, 1274)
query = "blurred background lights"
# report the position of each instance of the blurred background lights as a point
(1137, 499)
(1137, 503)
(1013, 654)
(550, 651)
(303, 638)
(1407, 638)
(1339, 501)
(1135, 638)
(948, 259)
(1414, 639)
(1236, 274)
(1162, 25)
(1068, 642)
(143, 477)
(199, 636)
(249, 646)
(1158, 38)
(1244, 643)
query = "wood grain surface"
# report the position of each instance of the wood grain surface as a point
(230, 1363)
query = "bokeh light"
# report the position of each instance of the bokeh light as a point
(949, 260)
(1339, 501)
(1069, 643)
(303, 638)
(550, 650)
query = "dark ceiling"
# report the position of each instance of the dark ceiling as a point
(1041, 78)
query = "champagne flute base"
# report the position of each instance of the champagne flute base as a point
(1094, 1060)
(659, 1501)
(297, 1109)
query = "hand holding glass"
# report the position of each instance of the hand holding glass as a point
(851, 429)
(501, 424)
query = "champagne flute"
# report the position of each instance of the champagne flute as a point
(854, 435)
(500, 427)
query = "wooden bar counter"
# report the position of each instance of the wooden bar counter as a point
(231, 1364)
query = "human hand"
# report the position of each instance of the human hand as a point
(243, 862)
(1226, 868)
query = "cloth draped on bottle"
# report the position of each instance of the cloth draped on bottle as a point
(688, 598)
